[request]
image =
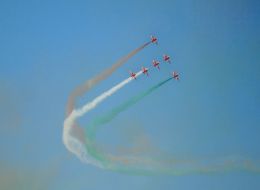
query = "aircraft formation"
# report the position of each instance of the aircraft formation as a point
(156, 63)
(79, 143)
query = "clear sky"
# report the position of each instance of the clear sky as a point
(47, 48)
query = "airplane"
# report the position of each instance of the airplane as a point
(156, 64)
(154, 40)
(175, 75)
(132, 74)
(145, 71)
(166, 58)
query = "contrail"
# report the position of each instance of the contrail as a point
(70, 131)
(80, 90)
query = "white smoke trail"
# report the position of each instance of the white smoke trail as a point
(70, 138)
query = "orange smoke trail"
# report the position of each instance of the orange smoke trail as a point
(82, 89)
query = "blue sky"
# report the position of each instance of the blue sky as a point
(48, 48)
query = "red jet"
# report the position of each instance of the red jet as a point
(154, 40)
(175, 75)
(166, 58)
(156, 64)
(145, 71)
(133, 75)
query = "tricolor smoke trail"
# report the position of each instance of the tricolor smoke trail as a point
(87, 150)
(84, 146)
(80, 90)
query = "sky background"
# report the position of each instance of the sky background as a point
(48, 48)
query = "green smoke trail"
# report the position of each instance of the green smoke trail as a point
(114, 112)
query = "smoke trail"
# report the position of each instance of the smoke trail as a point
(75, 143)
(80, 90)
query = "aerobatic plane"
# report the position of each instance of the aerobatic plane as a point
(145, 71)
(154, 40)
(175, 75)
(166, 58)
(156, 64)
(132, 74)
